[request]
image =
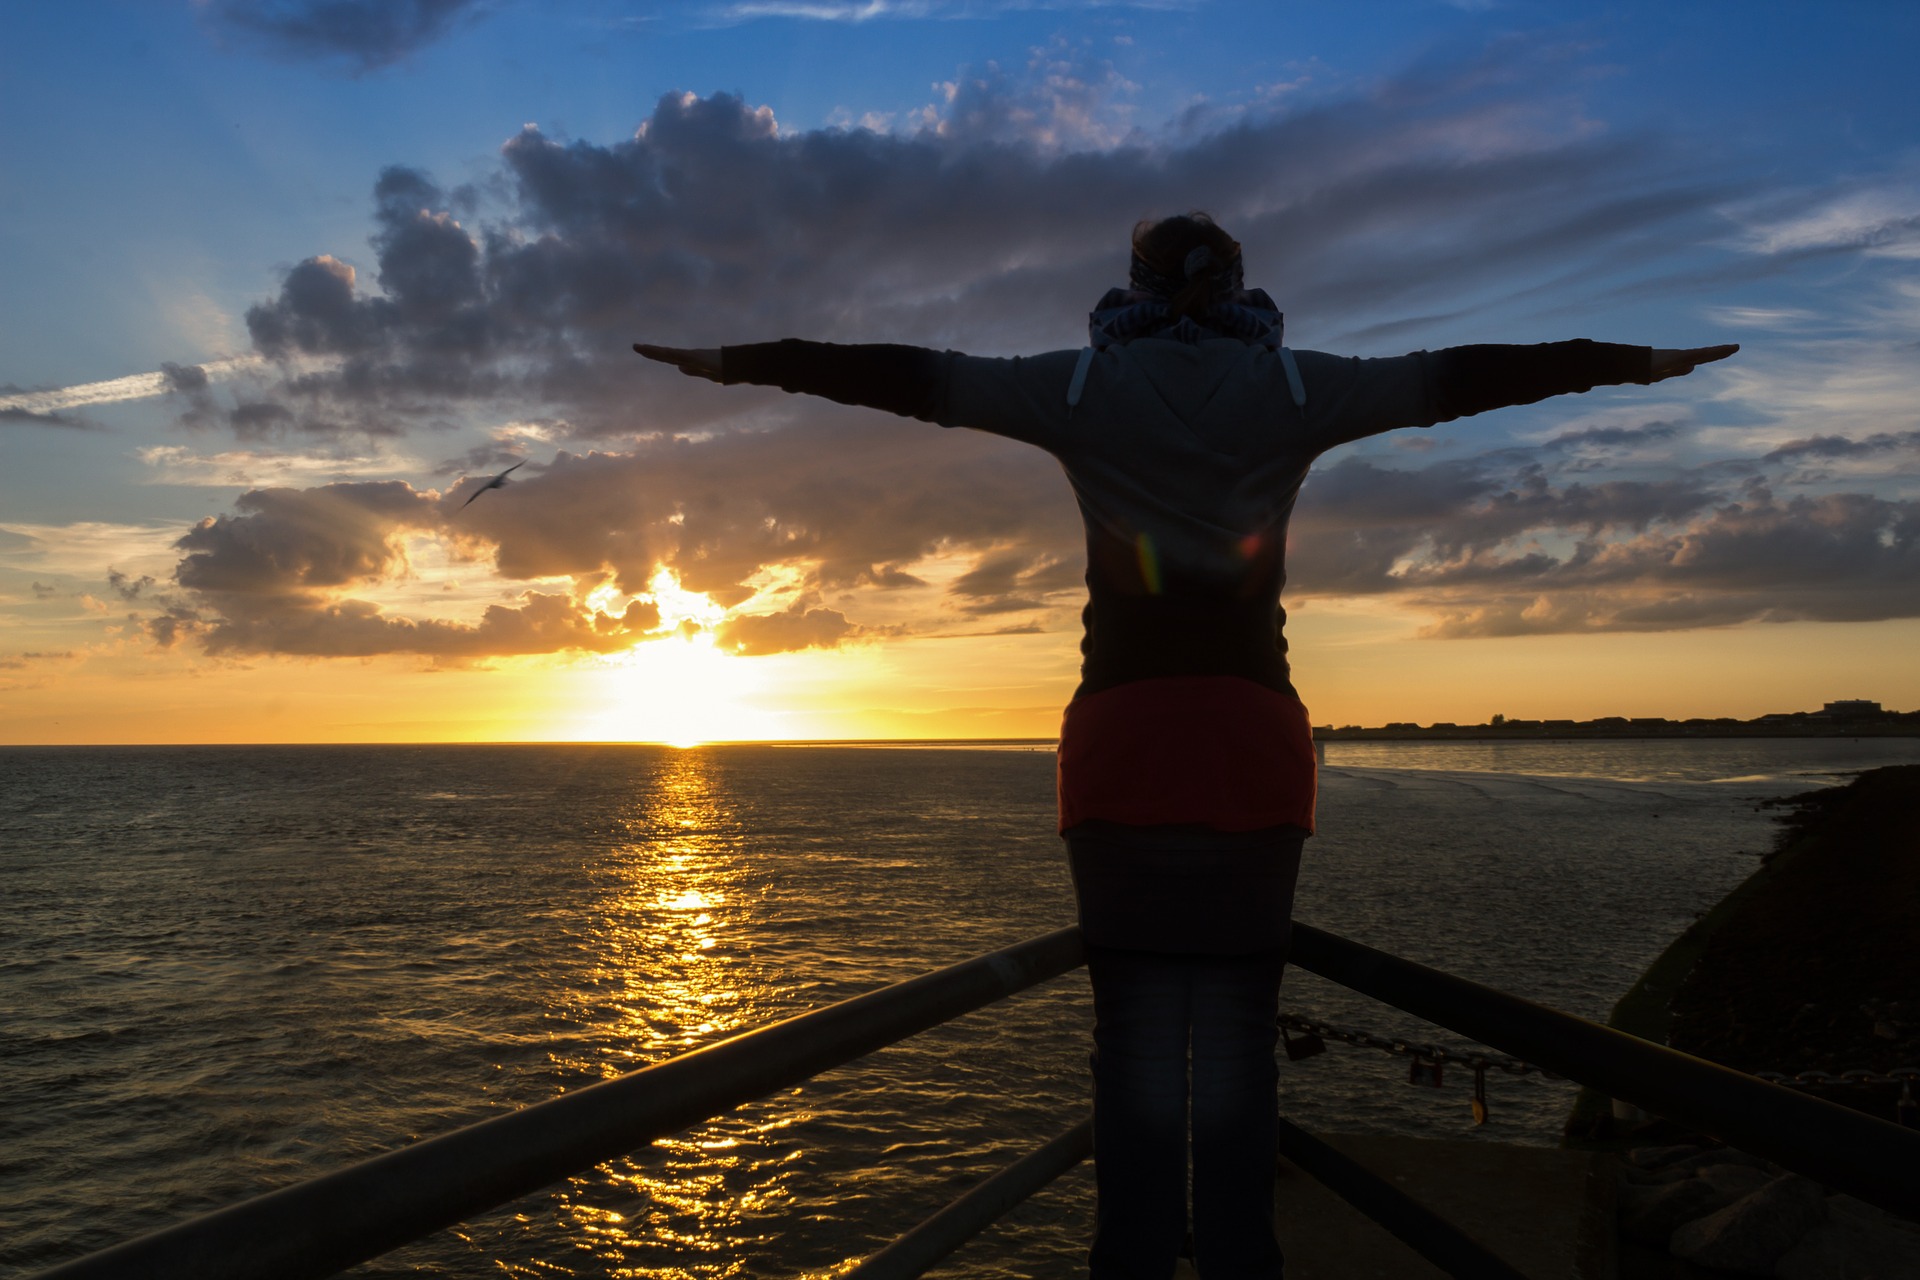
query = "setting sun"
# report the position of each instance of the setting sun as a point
(681, 690)
(679, 687)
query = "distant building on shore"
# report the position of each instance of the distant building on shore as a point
(1844, 718)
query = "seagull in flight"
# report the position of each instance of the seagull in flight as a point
(498, 482)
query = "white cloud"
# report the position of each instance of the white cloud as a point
(176, 464)
(86, 548)
(134, 386)
(1760, 317)
(1882, 219)
(1841, 386)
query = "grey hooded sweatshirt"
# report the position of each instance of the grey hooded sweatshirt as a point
(1186, 459)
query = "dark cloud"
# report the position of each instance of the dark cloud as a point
(184, 378)
(363, 35)
(317, 313)
(295, 540)
(1007, 582)
(1615, 437)
(44, 590)
(1497, 544)
(259, 419)
(21, 662)
(27, 417)
(165, 629)
(850, 499)
(125, 587)
(1505, 544)
(1833, 448)
(798, 627)
(992, 229)
(710, 224)
(281, 573)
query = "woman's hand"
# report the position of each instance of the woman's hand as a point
(700, 362)
(1674, 364)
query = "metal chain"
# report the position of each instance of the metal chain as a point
(1431, 1053)
(1428, 1058)
(1806, 1079)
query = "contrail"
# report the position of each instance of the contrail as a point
(135, 386)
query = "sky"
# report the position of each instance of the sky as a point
(284, 283)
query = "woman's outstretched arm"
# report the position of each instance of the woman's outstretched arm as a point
(1349, 398)
(899, 379)
(1474, 379)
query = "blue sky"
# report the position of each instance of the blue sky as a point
(192, 187)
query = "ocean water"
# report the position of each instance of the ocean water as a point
(226, 969)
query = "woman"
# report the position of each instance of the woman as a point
(1186, 772)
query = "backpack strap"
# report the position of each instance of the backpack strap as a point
(1079, 383)
(1294, 384)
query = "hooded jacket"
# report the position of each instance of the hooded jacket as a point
(1185, 459)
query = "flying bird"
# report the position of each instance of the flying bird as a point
(498, 482)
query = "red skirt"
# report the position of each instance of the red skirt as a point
(1215, 751)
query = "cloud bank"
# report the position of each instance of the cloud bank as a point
(1433, 204)
(359, 35)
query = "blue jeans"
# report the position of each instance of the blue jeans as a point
(1153, 1012)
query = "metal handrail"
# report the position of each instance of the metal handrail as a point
(1870, 1159)
(330, 1223)
(324, 1225)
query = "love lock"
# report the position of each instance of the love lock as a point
(1305, 1047)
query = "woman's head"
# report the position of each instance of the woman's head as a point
(1186, 259)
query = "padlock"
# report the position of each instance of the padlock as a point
(1420, 1071)
(1479, 1093)
(1907, 1111)
(1305, 1047)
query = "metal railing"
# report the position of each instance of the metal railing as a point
(334, 1221)
(1873, 1160)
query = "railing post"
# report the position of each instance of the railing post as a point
(1415, 1225)
(913, 1253)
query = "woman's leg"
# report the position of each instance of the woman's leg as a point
(1235, 1114)
(1141, 1011)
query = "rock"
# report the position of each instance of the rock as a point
(1733, 1181)
(1657, 1157)
(1839, 1202)
(1856, 1242)
(1688, 1166)
(1754, 1232)
(1650, 1215)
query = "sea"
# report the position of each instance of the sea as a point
(226, 969)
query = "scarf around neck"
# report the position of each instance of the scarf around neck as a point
(1123, 315)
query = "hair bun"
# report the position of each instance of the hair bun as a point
(1201, 262)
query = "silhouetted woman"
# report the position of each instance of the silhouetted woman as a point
(1186, 770)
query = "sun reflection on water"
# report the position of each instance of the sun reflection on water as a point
(672, 974)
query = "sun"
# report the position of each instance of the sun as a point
(679, 687)
(683, 691)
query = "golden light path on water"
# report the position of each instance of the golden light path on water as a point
(672, 973)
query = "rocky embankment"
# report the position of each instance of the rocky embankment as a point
(1807, 967)
(1814, 969)
(1700, 1212)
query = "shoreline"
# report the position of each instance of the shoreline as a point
(1739, 986)
(1486, 733)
